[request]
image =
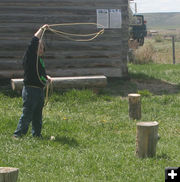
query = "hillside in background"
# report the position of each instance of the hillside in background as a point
(162, 20)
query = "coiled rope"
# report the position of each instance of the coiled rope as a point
(68, 36)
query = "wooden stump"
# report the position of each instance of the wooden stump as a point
(134, 106)
(8, 174)
(146, 139)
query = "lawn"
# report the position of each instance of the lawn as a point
(94, 137)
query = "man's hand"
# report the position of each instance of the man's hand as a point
(49, 79)
(46, 26)
(40, 31)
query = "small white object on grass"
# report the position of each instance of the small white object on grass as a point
(52, 137)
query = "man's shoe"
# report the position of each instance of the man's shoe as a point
(15, 137)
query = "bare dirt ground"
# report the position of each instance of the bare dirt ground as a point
(156, 86)
(120, 87)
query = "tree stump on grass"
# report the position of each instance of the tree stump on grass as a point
(134, 106)
(146, 139)
(8, 174)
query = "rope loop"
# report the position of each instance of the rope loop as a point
(68, 36)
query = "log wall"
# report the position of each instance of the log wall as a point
(20, 19)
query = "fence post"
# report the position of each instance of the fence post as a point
(173, 47)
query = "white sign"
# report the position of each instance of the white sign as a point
(115, 18)
(109, 18)
(102, 18)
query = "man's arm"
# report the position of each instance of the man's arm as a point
(40, 31)
(33, 46)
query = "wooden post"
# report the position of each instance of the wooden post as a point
(173, 50)
(134, 106)
(8, 174)
(146, 139)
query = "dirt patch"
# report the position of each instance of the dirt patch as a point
(122, 87)
(156, 86)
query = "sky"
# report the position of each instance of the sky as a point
(150, 6)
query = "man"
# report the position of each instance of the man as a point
(35, 79)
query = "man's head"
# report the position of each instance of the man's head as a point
(41, 48)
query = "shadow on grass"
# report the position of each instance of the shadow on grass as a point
(65, 140)
(10, 93)
(5, 89)
(118, 86)
(139, 82)
(163, 156)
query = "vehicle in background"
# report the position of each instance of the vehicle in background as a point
(138, 28)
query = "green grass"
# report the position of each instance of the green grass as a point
(94, 137)
(167, 72)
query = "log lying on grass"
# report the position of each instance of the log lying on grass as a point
(8, 174)
(146, 139)
(69, 82)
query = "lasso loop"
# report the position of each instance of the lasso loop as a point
(68, 36)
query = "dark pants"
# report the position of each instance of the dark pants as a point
(33, 102)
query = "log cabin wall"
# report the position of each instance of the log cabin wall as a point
(20, 19)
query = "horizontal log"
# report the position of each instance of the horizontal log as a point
(69, 82)
(13, 25)
(63, 1)
(6, 74)
(107, 39)
(73, 10)
(63, 7)
(10, 64)
(44, 18)
(109, 72)
(14, 54)
(11, 15)
(5, 29)
(71, 54)
(60, 3)
(68, 45)
(41, 19)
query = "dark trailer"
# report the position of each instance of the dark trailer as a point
(106, 55)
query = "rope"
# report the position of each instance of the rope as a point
(68, 36)
(63, 34)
